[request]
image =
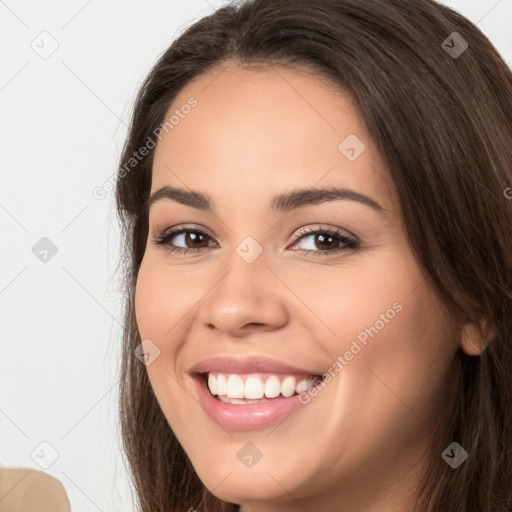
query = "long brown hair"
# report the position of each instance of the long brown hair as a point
(442, 121)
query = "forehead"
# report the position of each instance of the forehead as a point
(272, 129)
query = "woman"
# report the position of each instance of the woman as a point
(315, 204)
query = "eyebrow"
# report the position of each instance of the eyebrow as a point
(282, 203)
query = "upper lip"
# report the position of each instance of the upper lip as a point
(230, 364)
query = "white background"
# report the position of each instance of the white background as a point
(63, 120)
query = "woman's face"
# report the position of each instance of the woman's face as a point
(267, 282)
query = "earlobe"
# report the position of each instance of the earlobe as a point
(474, 340)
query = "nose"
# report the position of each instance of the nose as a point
(246, 297)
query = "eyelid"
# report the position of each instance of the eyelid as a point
(312, 228)
(182, 227)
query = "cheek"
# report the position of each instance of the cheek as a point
(419, 340)
(159, 306)
(399, 363)
(353, 301)
(160, 300)
(391, 337)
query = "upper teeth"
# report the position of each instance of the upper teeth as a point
(254, 387)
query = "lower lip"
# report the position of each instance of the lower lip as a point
(246, 417)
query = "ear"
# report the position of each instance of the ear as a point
(475, 338)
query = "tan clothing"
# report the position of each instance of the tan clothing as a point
(30, 490)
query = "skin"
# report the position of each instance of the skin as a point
(362, 442)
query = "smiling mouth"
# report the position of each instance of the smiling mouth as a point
(254, 388)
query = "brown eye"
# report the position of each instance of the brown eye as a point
(194, 238)
(326, 241)
(323, 241)
(191, 239)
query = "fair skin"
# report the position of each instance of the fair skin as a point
(361, 444)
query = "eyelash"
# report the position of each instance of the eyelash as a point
(350, 243)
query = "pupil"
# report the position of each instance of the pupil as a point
(193, 236)
(323, 237)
